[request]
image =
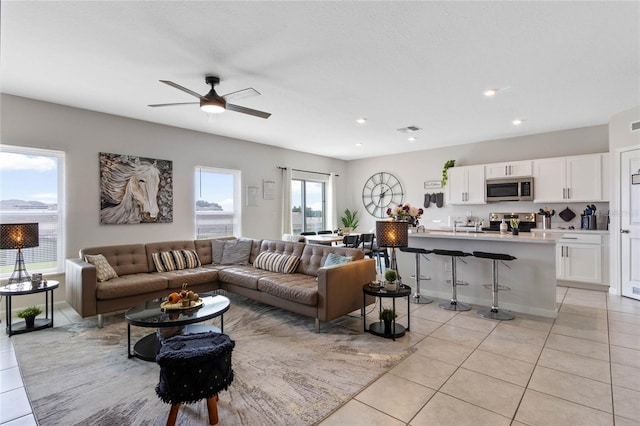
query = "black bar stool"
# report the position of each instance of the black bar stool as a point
(454, 305)
(417, 297)
(495, 312)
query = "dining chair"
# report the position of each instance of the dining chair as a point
(308, 233)
(351, 241)
(325, 232)
(368, 246)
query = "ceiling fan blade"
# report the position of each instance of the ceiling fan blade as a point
(174, 104)
(239, 94)
(249, 111)
(184, 89)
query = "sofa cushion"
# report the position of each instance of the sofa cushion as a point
(336, 259)
(217, 248)
(236, 252)
(130, 285)
(244, 275)
(125, 259)
(315, 255)
(191, 276)
(191, 259)
(297, 288)
(165, 246)
(277, 262)
(104, 271)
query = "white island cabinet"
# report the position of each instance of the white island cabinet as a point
(579, 258)
(531, 277)
(465, 185)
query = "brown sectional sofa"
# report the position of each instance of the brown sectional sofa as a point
(321, 292)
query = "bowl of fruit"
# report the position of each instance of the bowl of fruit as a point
(185, 299)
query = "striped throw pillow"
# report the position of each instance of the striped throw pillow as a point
(178, 259)
(163, 261)
(191, 258)
(276, 262)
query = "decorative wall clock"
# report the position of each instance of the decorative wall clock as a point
(381, 191)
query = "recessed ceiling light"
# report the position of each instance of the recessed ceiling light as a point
(517, 121)
(490, 92)
(361, 120)
(412, 139)
(358, 144)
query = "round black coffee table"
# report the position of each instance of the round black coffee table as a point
(150, 314)
(377, 328)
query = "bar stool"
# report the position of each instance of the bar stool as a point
(495, 312)
(417, 297)
(454, 305)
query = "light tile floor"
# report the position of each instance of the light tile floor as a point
(581, 369)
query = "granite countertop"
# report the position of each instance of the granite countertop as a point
(523, 237)
(570, 231)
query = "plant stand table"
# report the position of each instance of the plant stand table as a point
(377, 328)
(20, 289)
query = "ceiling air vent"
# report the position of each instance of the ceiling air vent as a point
(409, 129)
(635, 126)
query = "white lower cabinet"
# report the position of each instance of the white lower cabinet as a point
(579, 258)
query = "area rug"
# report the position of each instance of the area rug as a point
(285, 373)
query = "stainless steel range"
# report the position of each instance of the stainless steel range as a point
(527, 221)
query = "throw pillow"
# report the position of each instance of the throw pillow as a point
(178, 258)
(336, 259)
(191, 258)
(276, 262)
(164, 261)
(217, 247)
(103, 268)
(236, 252)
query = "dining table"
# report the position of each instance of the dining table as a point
(326, 239)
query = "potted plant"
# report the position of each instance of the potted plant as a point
(29, 314)
(447, 165)
(390, 277)
(387, 315)
(515, 223)
(349, 221)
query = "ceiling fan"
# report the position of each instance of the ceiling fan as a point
(214, 103)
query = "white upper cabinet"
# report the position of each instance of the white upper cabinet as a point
(578, 179)
(505, 170)
(465, 185)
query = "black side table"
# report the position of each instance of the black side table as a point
(12, 290)
(377, 328)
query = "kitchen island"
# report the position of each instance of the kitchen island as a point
(532, 277)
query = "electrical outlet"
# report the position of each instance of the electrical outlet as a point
(447, 267)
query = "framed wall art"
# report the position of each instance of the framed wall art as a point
(135, 189)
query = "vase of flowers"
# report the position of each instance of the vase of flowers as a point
(515, 223)
(405, 212)
(29, 314)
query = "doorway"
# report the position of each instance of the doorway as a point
(630, 223)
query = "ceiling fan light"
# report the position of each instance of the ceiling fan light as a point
(213, 106)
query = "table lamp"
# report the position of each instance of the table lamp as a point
(19, 236)
(392, 233)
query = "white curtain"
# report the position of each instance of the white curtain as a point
(286, 201)
(332, 208)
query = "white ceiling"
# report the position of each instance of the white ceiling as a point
(321, 65)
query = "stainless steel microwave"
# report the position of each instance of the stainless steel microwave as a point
(511, 189)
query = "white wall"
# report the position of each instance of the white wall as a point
(83, 134)
(414, 168)
(620, 138)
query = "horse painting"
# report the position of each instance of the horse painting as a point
(129, 190)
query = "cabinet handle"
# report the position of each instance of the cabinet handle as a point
(568, 193)
(564, 193)
(624, 231)
(567, 251)
(506, 170)
(510, 171)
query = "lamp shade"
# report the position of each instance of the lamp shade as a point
(392, 233)
(18, 235)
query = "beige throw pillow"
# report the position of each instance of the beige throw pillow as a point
(103, 268)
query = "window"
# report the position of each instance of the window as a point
(308, 211)
(32, 190)
(218, 203)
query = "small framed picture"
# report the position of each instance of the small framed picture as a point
(635, 179)
(432, 184)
